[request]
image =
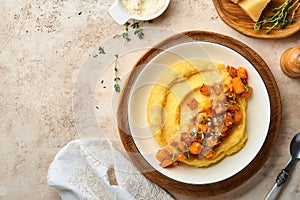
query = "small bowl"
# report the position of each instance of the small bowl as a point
(121, 16)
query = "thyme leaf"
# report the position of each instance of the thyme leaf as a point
(101, 50)
(125, 35)
(187, 153)
(139, 33)
(135, 25)
(194, 133)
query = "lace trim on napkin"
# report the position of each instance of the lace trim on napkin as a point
(93, 169)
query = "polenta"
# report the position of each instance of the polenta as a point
(195, 114)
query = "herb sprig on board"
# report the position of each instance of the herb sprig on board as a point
(283, 15)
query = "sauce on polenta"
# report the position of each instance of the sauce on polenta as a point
(197, 111)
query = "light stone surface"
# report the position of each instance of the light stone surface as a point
(43, 45)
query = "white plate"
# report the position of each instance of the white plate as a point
(257, 121)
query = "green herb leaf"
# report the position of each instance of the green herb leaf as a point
(117, 87)
(139, 33)
(204, 119)
(135, 25)
(194, 133)
(246, 88)
(101, 50)
(125, 35)
(127, 24)
(187, 153)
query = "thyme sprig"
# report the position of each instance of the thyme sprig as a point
(137, 30)
(125, 34)
(117, 78)
(281, 17)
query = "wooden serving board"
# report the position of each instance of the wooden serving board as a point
(201, 190)
(233, 15)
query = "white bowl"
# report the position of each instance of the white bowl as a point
(256, 127)
(121, 16)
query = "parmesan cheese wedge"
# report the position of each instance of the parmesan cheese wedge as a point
(253, 8)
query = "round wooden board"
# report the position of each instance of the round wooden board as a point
(233, 15)
(203, 190)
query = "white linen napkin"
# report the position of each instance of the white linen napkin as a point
(93, 169)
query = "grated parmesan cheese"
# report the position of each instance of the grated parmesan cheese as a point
(143, 8)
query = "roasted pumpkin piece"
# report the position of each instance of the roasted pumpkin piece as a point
(237, 117)
(203, 127)
(238, 85)
(232, 71)
(182, 157)
(233, 108)
(195, 148)
(205, 90)
(202, 117)
(247, 93)
(242, 73)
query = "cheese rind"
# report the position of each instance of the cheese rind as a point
(253, 8)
